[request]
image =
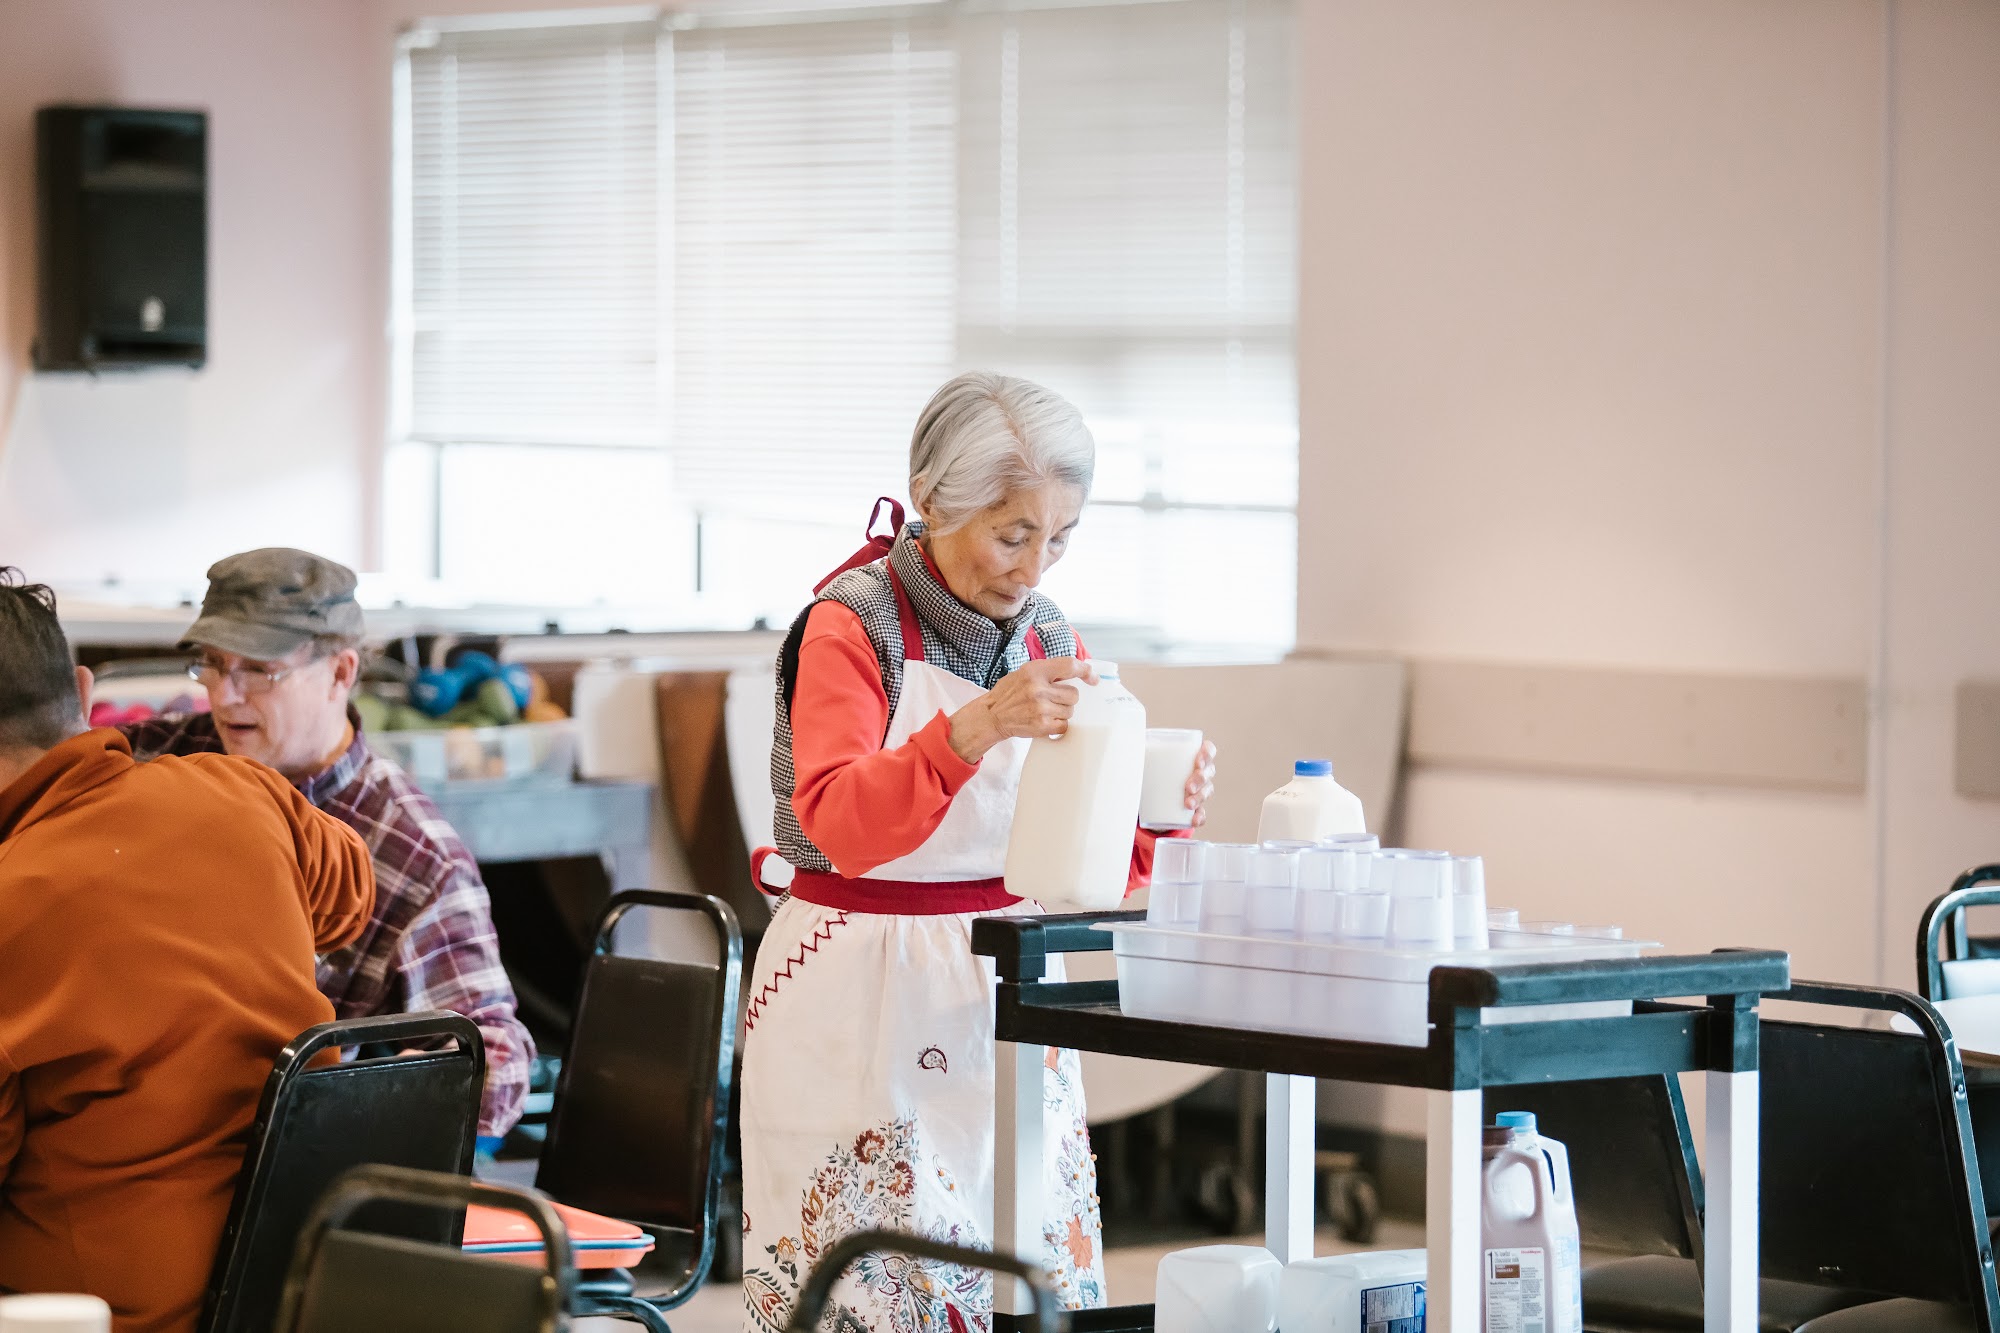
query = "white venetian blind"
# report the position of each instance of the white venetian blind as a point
(1128, 232)
(533, 198)
(815, 238)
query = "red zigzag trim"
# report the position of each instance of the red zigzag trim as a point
(769, 989)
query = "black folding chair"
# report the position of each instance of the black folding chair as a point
(318, 1119)
(344, 1281)
(1869, 1184)
(817, 1293)
(1638, 1194)
(641, 1111)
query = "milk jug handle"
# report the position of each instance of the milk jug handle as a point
(1538, 1166)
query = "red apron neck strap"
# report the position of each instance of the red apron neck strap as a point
(875, 547)
(906, 612)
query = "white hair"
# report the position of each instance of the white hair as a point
(984, 436)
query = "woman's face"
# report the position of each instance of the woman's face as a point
(994, 561)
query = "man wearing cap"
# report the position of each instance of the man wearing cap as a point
(279, 639)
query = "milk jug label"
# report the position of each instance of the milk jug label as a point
(1517, 1291)
(1569, 1301)
(1397, 1309)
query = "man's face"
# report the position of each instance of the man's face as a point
(290, 714)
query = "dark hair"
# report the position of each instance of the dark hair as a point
(38, 703)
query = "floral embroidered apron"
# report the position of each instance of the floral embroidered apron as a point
(868, 1067)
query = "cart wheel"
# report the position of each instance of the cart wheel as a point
(1225, 1200)
(1354, 1207)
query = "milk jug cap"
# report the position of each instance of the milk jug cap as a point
(1312, 768)
(1105, 670)
(1521, 1120)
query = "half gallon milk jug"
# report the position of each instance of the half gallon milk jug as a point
(1382, 1292)
(1529, 1263)
(1078, 806)
(1566, 1305)
(1310, 807)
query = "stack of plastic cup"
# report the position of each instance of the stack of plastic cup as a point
(1224, 887)
(1176, 900)
(1468, 902)
(1363, 906)
(1503, 918)
(1419, 898)
(1271, 889)
(1323, 872)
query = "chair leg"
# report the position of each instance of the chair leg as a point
(628, 1307)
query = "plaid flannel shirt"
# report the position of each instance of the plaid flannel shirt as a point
(430, 943)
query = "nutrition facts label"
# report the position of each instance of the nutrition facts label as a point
(1397, 1309)
(1517, 1291)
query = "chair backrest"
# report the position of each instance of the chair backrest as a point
(1631, 1157)
(642, 1106)
(341, 1281)
(1950, 963)
(318, 1119)
(1869, 1177)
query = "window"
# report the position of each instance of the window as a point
(672, 292)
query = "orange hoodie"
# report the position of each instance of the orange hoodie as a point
(157, 930)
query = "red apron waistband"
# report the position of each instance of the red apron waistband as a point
(901, 897)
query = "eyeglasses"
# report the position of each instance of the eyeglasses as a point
(248, 679)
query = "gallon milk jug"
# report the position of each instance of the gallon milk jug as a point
(1310, 807)
(1529, 1263)
(1566, 1301)
(1078, 807)
(1381, 1292)
(1217, 1289)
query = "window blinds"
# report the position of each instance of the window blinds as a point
(814, 268)
(1128, 223)
(761, 244)
(532, 191)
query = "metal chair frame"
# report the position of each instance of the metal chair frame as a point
(817, 1292)
(371, 1184)
(1945, 918)
(613, 1297)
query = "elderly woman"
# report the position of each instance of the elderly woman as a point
(907, 695)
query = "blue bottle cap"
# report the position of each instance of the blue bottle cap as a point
(1313, 768)
(1521, 1120)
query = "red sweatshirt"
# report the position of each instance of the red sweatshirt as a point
(862, 805)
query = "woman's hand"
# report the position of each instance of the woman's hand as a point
(1035, 700)
(1201, 784)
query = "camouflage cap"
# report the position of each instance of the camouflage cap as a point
(265, 604)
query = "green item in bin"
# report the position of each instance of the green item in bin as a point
(496, 696)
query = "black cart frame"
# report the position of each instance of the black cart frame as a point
(1471, 1048)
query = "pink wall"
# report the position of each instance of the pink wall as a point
(149, 478)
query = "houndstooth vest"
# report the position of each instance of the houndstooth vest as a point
(956, 638)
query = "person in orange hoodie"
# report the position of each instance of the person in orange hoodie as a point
(158, 927)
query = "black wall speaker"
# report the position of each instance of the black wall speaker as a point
(123, 234)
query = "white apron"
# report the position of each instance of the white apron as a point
(868, 1073)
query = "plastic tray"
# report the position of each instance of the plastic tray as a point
(523, 752)
(1320, 988)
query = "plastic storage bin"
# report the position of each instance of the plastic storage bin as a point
(1318, 988)
(542, 752)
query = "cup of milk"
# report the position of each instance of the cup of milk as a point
(1170, 756)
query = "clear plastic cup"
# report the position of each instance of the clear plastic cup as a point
(1179, 860)
(1364, 916)
(1322, 871)
(1548, 928)
(1419, 891)
(1286, 844)
(1360, 842)
(1468, 901)
(1177, 871)
(1170, 756)
(1225, 885)
(1503, 918)
(1599, 932)
(1271, 890)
